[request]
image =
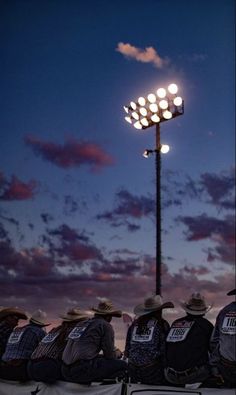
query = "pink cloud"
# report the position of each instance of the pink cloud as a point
(72, 154)
(147, 55)
(16, 189)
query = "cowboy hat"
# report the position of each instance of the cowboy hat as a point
(73, 315)
(105, 307)
(196, 305)
(4, 312)
(39, 318)
(151, 304)
(232, 292)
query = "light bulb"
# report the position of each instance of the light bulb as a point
(177, 101)
(128, 119)
(143, 111)
(163, 104)
(137, 125)
(141, 101)
(167, 114)
(144, 122)
(151, 98)
(155, 118)
(165, 148)
(161, 92)
(173, 89)
(133, 105)
(135, 115)
(153, 107)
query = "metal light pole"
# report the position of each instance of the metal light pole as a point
(158, 210)
(147, 112)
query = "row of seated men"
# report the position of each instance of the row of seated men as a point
(82, 349)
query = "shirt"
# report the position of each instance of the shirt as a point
(223, 340)
(87, 339)
(188, 342)
(145, 341)
(22, 342)
(5, 331)
(52, 345)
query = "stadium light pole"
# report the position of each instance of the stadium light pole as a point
(146, 112)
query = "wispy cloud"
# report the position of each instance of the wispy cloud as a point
(147, 55)
(73, 153)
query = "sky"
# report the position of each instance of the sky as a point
(77, 198)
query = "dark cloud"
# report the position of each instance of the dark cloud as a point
(46, 218)
(70, 205)
(68, 234)
(72, 154)
(127, 206)
(220, 188)
(215, 189)
(16, 189)
(3, 233)
(10, 220)
(219, 231)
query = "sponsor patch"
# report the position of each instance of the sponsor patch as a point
(143, 333)
(229, 323)
(15, 336)
(179, 331)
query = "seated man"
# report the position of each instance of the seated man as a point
(21, 343)
(81, 360)
(145, 342)
(45, 362)
(188, 344)
(223, 345)
(9, 318)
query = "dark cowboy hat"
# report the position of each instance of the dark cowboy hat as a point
(74, 314)
(5, 312)
(105, 307)
(151, 304)
(196, 305)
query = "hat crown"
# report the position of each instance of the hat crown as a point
(73, 314)
(153, 301)
(105, 305)
(39, 316)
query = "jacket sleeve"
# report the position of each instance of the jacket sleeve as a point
(214, 346)
(107, 344)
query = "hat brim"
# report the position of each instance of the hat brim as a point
(72, 317)
(8, 311)
(140, 309)
(112, 313)
(39, 322)
(232, 292)
(195, 312)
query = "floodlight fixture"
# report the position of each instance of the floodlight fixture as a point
(165, 104)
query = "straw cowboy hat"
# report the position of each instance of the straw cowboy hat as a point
(105, 307)
(5, 312)
(232, 292)
(39, 317)
(196, 305)
(73, 315)
(151, 304)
